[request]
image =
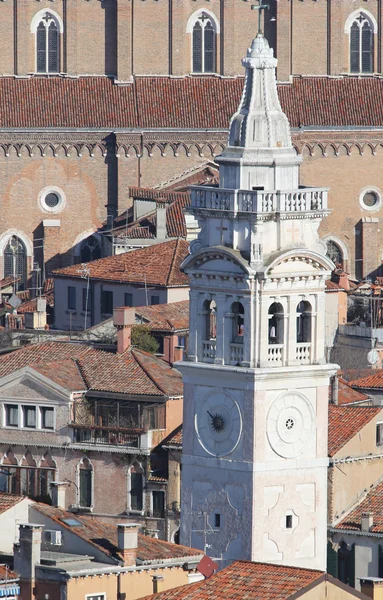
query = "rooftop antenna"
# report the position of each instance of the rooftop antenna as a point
(85, 274)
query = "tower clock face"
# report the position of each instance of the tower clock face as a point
(218, 424)
(290, 424)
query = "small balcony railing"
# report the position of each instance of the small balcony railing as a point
(208, 350)
(106, 436)
(275, 355)
(236, 354)
(303, 353)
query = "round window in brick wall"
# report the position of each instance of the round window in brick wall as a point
(52, 200)
(370, 199)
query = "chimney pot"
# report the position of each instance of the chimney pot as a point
(27, 552)
(124, 318)
(128, 542)
(58, 493)
(367, 521)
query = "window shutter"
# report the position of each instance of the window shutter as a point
(354, 48)
(41, 48)
(197, 48)
(332, 560)
(367, 49)
(209, 48)
(380, 561)
(53, 48)
(351, 567)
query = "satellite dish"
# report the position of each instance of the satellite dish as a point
(14, 301)
(372, 357)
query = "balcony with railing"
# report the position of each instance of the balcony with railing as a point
(208, 350)
(304, 199)
(303, 353)
(275, 355)
(115, 423)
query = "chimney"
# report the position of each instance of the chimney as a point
(27, 553)
(178, 353)
(372, 587)
(161, 233)
(128, 542)
(58, 493)
(124, 318)
(158, 583)
(367, 521)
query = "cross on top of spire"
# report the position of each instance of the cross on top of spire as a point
(260, 7)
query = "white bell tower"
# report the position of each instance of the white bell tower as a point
(254, 464)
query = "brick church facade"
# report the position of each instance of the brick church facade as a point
(97, 96)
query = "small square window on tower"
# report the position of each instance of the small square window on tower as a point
(217, 520)
(289, 521)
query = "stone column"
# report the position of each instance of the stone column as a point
(194, 331)
(221, 339)
(291, 340)
(264, 332)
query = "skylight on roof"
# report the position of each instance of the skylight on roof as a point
(72, 522)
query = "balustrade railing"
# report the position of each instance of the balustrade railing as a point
(236, 353)
(208, 350)
(303, 353)
(108, 436)
(275, 354)
(258, 201)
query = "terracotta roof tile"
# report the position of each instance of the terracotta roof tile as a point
(174, 438)
(64, 372)
(103, 534)
(189, 102)
(246, 581)
(8, 501)
(160, 264)
(165, 317)
(372, 502)
(7, 576)
(373, 381)
(347, 395)
(345, 422)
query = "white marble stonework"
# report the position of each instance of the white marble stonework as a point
(254, 464)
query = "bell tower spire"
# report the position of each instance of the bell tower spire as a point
(254, 463)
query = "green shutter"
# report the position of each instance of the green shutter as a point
(380, 562)
(351, 567)
(332, 560)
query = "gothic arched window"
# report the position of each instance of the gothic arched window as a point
(90, 249)
(334, 253)
(361, 45)
(276, 323)
(304, 322)
(210, 312)
(48, 45)
(135, 488)
(204, 45)
(15, 261)
(85, 476)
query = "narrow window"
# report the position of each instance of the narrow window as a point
(136, 489)
(379, 434)
(304, 322)
(15, 262)
(106, 302)
(217, 520)
(128, 301)
(71, 297)
(155, 300)
(158, 504)
(47, 45)
(204, 45)
(361, 45)
(276, 323)
(47, 418)
(289, 521)
(86, 473)
(11, 415)
(29, 413)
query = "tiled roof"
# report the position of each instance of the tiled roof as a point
(6, 575)
(372, 502)
(373, 381)
(246, 581)
(8, 501)
(347, 395)
(78, 367)
(103, 535)
(152, 194)
(174, 438)
(345, 422)
(189, 102)
(160, 264)
(165, 317)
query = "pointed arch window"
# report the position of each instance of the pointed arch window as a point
(86, 483)
(334, 253)
(304, 322)
(361, 45)
(90, 249)
(48, 45)
(136, 488)
(204, 45)
(15, 261)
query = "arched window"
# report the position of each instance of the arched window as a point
(15, 261)
(210, 312)
(361, 45)
(48, 45)
(276, 323)
(90, 249)
(304, 322)
(204, 45)
(238, 322)
(135, 488)
(334, 253)
(85, 474)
